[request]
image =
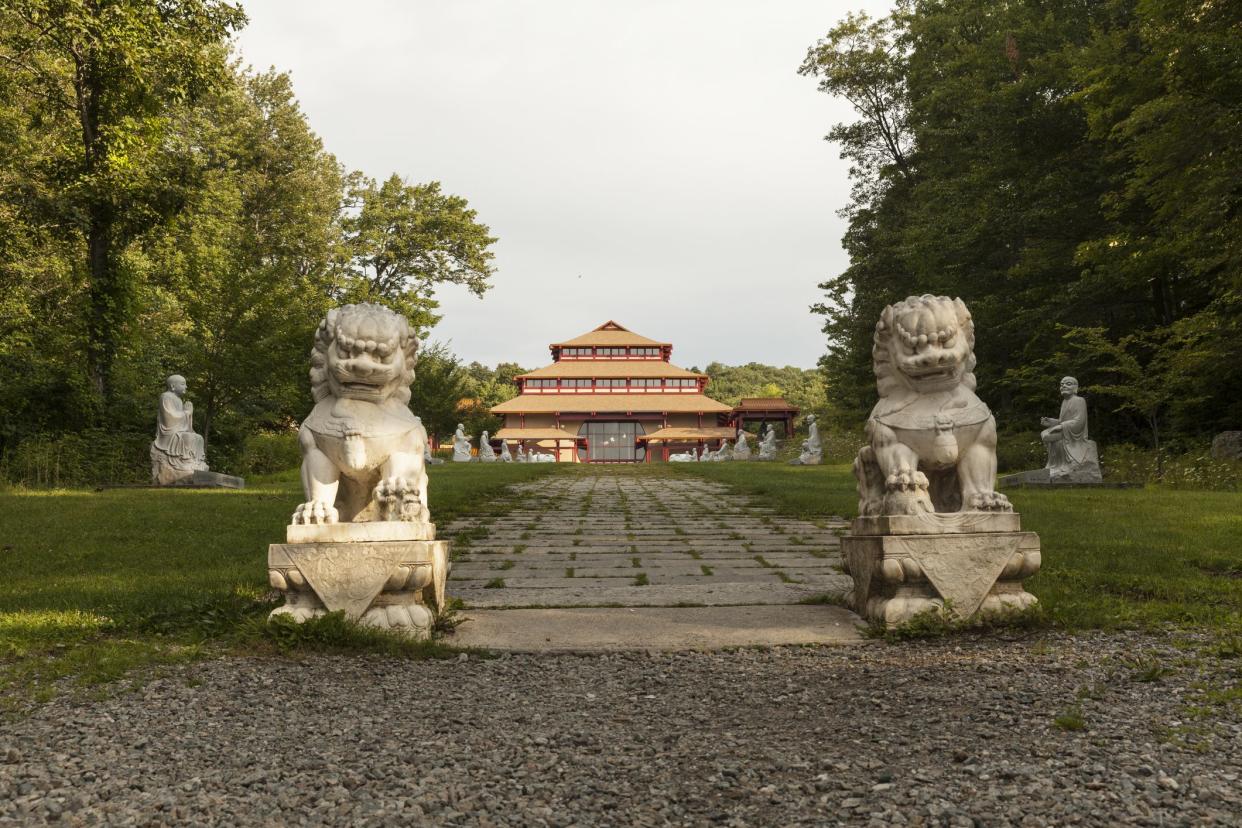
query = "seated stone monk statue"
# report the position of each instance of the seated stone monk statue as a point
(177, 451)
(1072, 458)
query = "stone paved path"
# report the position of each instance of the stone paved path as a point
(611, 539)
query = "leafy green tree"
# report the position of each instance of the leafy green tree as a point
(1060, 165)
(112, 73)
(440, 384)
(403, 241)
(248, 263)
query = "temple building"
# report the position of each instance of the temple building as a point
(612, 396)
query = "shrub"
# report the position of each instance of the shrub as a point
(270, 452)
(84, 458)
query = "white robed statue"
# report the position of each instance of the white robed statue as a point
(461, 446)
(177, 452)
(486, 453)
(505, 456)
(725, 452)
(1072, 458)
(767, 447)
(812, 451)
(521, 454)
(741, 450)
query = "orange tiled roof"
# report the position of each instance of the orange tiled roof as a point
(609, 334)
(764, 404)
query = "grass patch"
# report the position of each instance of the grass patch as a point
(1070, 719)
(764, 562)
(495, 583)
(641, 580)
(505, 564)
(707, 570)
(569, 572)
(98, 584)
(786, 577)
(1146, 558)
(636, 562)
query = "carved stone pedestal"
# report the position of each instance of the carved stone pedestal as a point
(390, 584)
(898, 576)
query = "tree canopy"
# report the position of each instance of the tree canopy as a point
(1070, 171)
(165, 210)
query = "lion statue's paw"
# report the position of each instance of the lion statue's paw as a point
(315, 511)
(906, 479)
(988, 502)
(398, 500)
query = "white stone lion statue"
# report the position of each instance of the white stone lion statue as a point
(932, 442)
(362, 449)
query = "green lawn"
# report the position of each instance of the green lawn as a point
(98, 582)
(1111, 557)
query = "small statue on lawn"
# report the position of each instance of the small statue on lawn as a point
(741, 450)
(177, 451)
(505, 456)
(521, 453)
(1072, 458)
(767, 447)
(461, 446)
(812, 451)
(486, 453)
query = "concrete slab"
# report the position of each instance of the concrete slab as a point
(609, 629)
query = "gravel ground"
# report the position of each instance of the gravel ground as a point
(956, 733)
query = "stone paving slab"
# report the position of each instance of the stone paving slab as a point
(586, 593)
(573, 541)
(609, 629)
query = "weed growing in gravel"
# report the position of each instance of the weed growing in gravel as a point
(694, 553)
(641, 580)
(577, 541)
(519, 548)
(797, 540)
(707, 570)
(569, 572)
(677, 530)
(787, 578)
(495, 583)
(736, 536)
(1070, 719)
(764, 562)
(636, 562)
(505, 564)
(524, 536)
(1148, 670)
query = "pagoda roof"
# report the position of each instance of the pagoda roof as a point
(577, 368)
(764, 404)
(610, 334)
(550, 403)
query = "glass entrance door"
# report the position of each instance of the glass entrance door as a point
(613, 442)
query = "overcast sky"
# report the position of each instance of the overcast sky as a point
(657, 163)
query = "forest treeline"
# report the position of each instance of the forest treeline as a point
(1073, 171)
(164, 209)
